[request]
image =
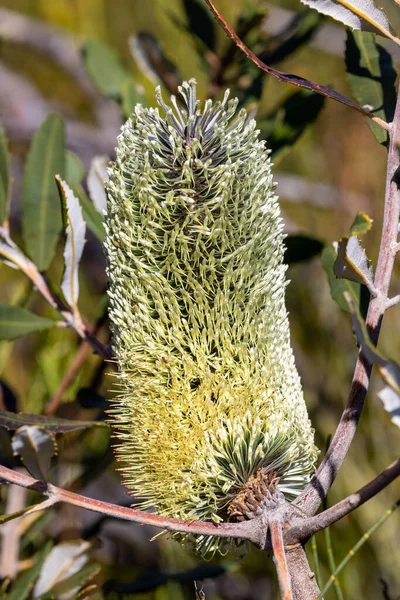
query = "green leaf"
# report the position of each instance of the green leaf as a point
(36, 446)
(94, 220)
(339, 286)
(283, 127)
(4, 175)
(361, 224)
(69, 588)
(389, 370)
(131, 96)
(104, 68)
(18, 513)
(75, 229)
(23, 585)
(358, 14)
(74, 169)
(372, 77)
(200, 22)
(16, 321)
(41, 215)
(13, 421)
(352, 262)
(64, 560)
(301, 247)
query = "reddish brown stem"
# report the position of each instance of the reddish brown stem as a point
(288, 77)
(245, 530)
(285, 587)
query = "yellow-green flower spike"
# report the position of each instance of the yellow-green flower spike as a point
(211, 414)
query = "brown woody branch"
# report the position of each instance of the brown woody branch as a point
(311, 498)
(311, 525)
(288, 77)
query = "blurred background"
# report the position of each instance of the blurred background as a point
(91, 61)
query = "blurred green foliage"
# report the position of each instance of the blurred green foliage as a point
(128, 46)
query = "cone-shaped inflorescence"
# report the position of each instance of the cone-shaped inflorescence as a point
(211, 415)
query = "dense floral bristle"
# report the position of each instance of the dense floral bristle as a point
(211, 400)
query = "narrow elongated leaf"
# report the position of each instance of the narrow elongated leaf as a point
(389, 370)
(36, 446)
(22, 587)
(41, 215)
(339, 286)
(97, 177)
(68, 588)
(94, 220)
(13, 421)
(16, 321)
(362, 15)
(4, 175)
(74, 169)
(104, 68)
(64, 560)
(75, 229)
(372, 77)
(352, 262)
(298, 32)
(152, 61)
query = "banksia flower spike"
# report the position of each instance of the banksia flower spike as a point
(211, 415)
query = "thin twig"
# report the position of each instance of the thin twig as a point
(247, 530)
(330, 516)
(393, 301)
(13, 254)
(275, 527)
(288, 77)
(312, 496)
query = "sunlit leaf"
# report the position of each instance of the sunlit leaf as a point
(361, 224)
(13, 421)
(23, 585)
(389, 370)
(352, 262)
(41, 214)
(152, 61)
(372, 77)
(75, 229)
(16, 321)
(104, 68)
(97, 177)
(68, 588)
(36, 445)
(362, 15)
(338, 286)
(4, 175)
(64, 560)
